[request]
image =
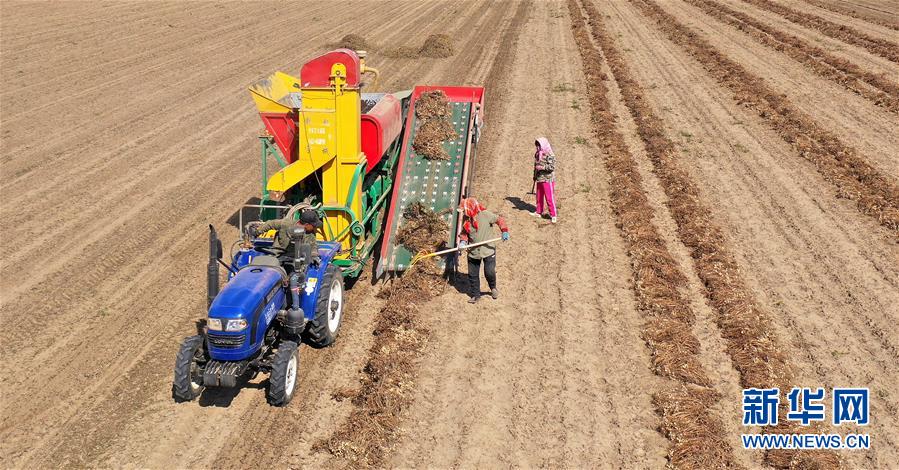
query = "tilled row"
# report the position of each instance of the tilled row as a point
(855, 14)
(696, 434)
(886, 49)
(874, 87)
(883, 48)
(754, 349)
(848, 11)
(367, 435)
(838, 163)
(751, 344)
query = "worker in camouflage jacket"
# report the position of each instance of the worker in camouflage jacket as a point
(477, 228)
(545, 178)
(310, 222)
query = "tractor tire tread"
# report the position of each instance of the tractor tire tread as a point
(276, 394)
(317, 334)
(181, 389)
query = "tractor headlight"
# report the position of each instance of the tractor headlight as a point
(214, 324)
(236, 325)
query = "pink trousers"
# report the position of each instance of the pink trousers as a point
(545, 189)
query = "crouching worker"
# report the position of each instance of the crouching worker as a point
(477, 228)
(310, 222)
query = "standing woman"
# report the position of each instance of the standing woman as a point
(545, 176)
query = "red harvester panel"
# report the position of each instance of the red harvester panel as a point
(380, 127)
(283, 127)
(317, 72)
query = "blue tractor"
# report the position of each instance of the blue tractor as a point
(257, 321)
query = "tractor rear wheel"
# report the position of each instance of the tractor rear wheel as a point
(283, 380)
(188, 383)
(325, 325)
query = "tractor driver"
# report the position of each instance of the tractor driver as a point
(310, 222)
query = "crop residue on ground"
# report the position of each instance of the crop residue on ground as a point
(388, 376)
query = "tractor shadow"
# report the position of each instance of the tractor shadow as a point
(222, 397)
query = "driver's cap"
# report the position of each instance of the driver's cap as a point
(310, 216)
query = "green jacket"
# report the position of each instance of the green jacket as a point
(485, 231)
(282, 238)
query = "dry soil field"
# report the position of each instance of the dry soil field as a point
(729, 218)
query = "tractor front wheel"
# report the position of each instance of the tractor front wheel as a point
(283, 380)
(188, 383)
(325, 325)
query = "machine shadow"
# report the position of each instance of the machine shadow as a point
(251, 212)
(222, 397)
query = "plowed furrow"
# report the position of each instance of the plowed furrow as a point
(874, 87)
(858, 12)
(752, 345)
(840, 164)
(86, 42)
(166, 65)
(684, 404)
(883, 48)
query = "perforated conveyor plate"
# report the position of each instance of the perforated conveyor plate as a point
(436, 183)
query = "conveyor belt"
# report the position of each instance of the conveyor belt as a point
(438, 184)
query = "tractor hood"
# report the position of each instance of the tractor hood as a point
(245, 293)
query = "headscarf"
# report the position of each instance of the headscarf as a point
(544, 148)
(471, 208)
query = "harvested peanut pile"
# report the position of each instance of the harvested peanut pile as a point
(437, 46)
(434, 112)
(422, 230)
(354, 42)
(430, 138)
(432, 104)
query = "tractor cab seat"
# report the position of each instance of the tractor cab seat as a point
(270, 262)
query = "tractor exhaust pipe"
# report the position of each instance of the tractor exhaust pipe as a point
(212, 269)
(295, 322)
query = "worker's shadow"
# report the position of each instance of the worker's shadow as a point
(458, 280)
(518, 204)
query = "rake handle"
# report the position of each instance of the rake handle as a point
(458, 248)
